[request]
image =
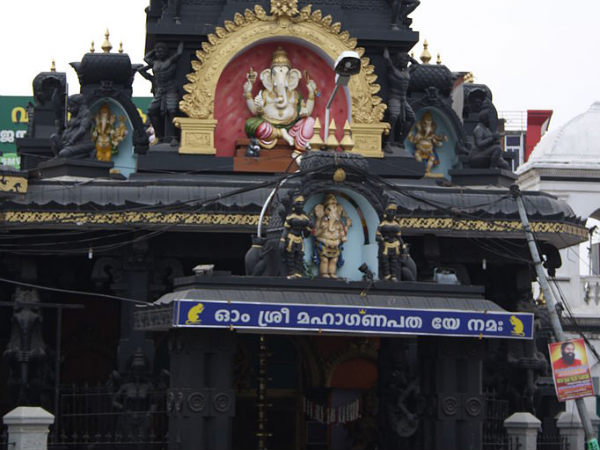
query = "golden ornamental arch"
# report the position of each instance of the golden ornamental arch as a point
(285, 21)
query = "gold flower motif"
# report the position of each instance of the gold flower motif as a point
(288, 8)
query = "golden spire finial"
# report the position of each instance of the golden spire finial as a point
(425, 56)
(53, 66)
(106, 45)
(439, 59)
(469, 78)
(121, 47)
(92, 49)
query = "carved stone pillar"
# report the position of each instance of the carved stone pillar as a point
(201, 401)
(452, 385)
(399, 395)
(137, 274)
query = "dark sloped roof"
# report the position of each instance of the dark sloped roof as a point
(170, 200)
(252, 192)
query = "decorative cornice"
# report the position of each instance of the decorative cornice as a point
(14, 184)
(245, 221)
(494, 226)
(128, 218)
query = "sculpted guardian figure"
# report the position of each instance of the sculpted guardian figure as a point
(402, 117)
(297, 226)
(25, 355)
(389, 238)
(487, 152)
(400, 11)
(279, 111)
(75, 141)
(165, 104)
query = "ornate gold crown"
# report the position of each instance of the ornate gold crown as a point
(280, 58)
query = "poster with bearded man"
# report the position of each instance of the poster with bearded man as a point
(571, 370)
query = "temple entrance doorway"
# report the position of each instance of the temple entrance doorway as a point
(319, 392)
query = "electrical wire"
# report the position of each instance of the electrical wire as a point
(151, 234)
(70, 291)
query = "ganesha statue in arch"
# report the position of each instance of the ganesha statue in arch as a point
(279, 111)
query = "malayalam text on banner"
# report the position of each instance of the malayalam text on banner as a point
(351, 319)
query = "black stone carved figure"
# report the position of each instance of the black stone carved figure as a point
(75, 141)
(172, 7)
(134, 400)
(487, 152)
(388, 236)
(49, 92)
(164, 106)
(402, 117)
(264, 258)
(25, 354)
(529, 364)
(297, 226)
(401, 404)
(408, 267)
(400, 11)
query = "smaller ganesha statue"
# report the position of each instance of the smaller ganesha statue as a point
(279, 111)
(330, 232)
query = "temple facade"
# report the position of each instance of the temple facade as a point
(310, 244)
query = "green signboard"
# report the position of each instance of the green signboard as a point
(14, 118)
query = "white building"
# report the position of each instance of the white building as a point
(566, 163)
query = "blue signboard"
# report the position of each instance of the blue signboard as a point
(264, 317)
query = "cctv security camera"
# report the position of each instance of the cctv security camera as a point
(347, 64)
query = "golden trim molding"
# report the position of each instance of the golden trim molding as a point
(408, 224)
(17, 185)
(128, 218)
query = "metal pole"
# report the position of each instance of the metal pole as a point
(57, 370)
(551, 306)
(327, 108)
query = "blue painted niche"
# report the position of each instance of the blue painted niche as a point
(447, 152)
(361, 246)
(125, 160)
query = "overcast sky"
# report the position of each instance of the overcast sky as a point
(533, 54)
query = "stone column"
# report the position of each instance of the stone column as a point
(452, 380)
(523, 427)
(201, 400)
(28, 428)
(571, 429)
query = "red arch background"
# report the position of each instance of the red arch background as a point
(231, 111)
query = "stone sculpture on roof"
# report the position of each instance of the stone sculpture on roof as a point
(75, 141)
(164, 106)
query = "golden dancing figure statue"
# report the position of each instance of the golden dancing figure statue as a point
(105, 135)
(426, 140)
